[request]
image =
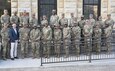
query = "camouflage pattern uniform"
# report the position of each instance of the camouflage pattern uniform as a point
(66, 39)
(108, 32)
(72, 20)
(87, 31)
(102, 26)
(76, 35)
(14, 19)
(24, 40)
(35, 35)
(97, 37)
(33, 21)
(54, 18)
(47, 37)
(44, 20)
(57, 40)
(5, 19)
(63, 20)
(5, 40)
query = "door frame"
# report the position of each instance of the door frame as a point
(39, 4)
(99, 7)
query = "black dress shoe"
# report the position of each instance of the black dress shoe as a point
(16, 57)
(12, 58)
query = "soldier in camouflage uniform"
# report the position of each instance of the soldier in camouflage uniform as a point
(92, 20)
(81, 23)
(72, 20)
(109, 20)
(76, 35)
(33, 20)
(102, 26)
(54, 18)
(47, 37)
(5, 40)
(66, 39)
(87, 32)
(24, 39)
(24, 18)
(35, 35)
(14, 19)
(5, 18)
(97, 37)
(44, 20)
(63, 20)
(108, 32)
(57, 39)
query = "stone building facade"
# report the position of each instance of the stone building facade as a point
(78, 7)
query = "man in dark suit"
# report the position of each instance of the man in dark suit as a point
(14, 37)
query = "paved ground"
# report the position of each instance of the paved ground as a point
(34, 65)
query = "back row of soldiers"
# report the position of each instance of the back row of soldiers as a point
(56, 32)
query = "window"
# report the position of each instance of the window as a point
(46, 7)
(91, 7)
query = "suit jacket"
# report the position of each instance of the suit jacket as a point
(13, 35)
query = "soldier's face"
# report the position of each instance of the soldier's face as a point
(44, 17)
(72, 15)
(33, 16)
(109, 17)
(35, 27)
(5, 12)
(65, 25)
(63, 15)
(53, 12)
(91, 16)
(100, 18)
(82, 18)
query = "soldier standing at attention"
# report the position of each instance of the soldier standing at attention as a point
(54, 18)
(102, 26)
(72, 20)
(33, 21)
(5, 40)
(24, 39)
(57, 39)
(109, 20)
(92, 20)
(76, 36)
(87, 32)
(63, 20)
(24, 18)
(108, 33)
(47, 37)
(14, 18)
(81, 23)
(97, 37)
(35, 35)
(66, 38)
(5, 18)
(44, 20)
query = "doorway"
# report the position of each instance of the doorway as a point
(91, 7)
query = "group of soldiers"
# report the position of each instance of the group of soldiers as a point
(56, 32)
